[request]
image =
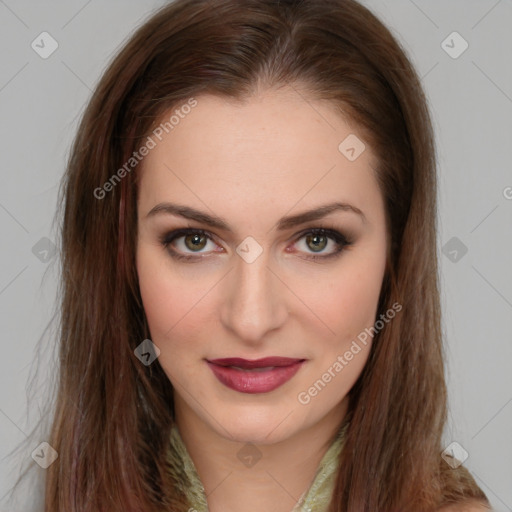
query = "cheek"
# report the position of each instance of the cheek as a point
(348, 307)
(355, 300)
(172, 302)
(156, 292)
(345, 300)
(166, 298)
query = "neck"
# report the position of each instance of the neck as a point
(250, 475)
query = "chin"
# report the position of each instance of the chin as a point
(259, 426)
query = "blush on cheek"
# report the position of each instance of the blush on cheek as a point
(163, 298)
(174, 318)
(348, 304)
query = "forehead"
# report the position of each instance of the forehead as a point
(276, 148)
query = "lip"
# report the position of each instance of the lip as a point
(244, 380)
(255, 363)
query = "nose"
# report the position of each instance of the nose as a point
(255, 300)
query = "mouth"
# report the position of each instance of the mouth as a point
(254, 376)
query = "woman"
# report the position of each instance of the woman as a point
(250, 309)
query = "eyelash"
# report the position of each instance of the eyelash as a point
(340, 240)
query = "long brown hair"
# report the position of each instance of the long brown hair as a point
(113, 415)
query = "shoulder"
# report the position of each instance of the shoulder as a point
(467, 506)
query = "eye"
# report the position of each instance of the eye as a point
(188, 241)
(316, 241)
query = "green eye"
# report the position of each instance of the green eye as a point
(319, 242)
(195, 241)
(327, 243)
(189, 242)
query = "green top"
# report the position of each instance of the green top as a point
(316, 499)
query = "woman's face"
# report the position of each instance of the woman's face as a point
(250, 278)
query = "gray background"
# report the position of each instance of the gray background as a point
(471, 102)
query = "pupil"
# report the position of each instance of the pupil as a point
(317, 239)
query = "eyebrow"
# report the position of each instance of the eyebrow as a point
(284, 223)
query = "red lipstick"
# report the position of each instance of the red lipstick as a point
(254, 376)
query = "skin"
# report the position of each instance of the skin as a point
(275, 155)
